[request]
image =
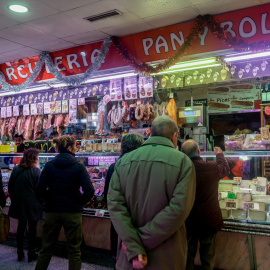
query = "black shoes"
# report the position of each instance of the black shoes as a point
(20, 255)
(32, 256)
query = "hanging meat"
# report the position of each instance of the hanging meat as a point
(38, 128)
(171, 109)
(29, 127)
(2, 130)
(20, 125)
(66, 120)
(11, 126)
(47, 121)
(59, 123)
(1, 125)
(6, 128)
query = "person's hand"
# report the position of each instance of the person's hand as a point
(217, 150)
(139, 262)
(124, 247)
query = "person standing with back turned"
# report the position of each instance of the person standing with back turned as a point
(59, 185)
(151, 193)
(205, 218)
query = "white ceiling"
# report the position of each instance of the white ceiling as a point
(53, 25)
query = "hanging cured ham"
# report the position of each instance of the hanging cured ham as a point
(2, 130)
(171, 109)
(6, 128)
(11, 126)
(29, 127)
(38, 127)
(20, 125)
(59, 123)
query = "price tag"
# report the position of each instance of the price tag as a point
(106, 99)
(99, 213)
(267, 110)
(148, 131)
(171, 95)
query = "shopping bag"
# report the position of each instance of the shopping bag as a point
(4, 225)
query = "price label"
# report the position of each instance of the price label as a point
(267, 110)
(231, 204)
(106, 99)
(260, 188)
(248, 205)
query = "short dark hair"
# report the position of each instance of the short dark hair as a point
(163, 126)
(131, 142)
(18, 136)
(29, 159)
(190, 148)
(62, 143)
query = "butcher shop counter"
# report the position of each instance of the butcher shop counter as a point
(96, 221)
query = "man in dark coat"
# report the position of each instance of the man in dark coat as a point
(2, 194)
(151, 193)
(205, 218)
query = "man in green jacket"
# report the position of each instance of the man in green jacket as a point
(151, 194)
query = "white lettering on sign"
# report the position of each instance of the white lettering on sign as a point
(30, 66)
(202, 37)
(174, 38)
(84, 59)
(47, 68)
(20, 67)
(229, 28)
(162, 44)
(147, 44)
(10, 72)
(253, 31)
(59, 61)
(263, 24)
(72, 59)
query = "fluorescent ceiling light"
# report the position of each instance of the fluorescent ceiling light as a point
(18, 8)
(24, 91)
(246, 56)
(106, 78)
(185, 69)
(194, 63)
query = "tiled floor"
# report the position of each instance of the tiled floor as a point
(91, 258)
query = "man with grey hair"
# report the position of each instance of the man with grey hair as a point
(205, 218)
(151, 194)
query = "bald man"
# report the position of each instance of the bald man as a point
(205, 218)
(150, 196)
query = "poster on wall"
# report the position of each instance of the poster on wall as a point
(16, 111)
(3, 112)
(233, 98)
(116, 89)
(58, 106)
(65, 106)
(81, 101)
(145, 86)
(47, 108)
(9, 111)
(52, 107)
(40, 108)
(130, 88)
(33, 109)
(26, 110)
(72, 111)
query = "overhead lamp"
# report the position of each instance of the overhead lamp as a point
(24, 91)
(111, 77)
(18, 8)
(194, 63)
(186, 69)
(247, 56)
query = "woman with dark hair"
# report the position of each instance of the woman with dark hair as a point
(24, 203)
(59, 185)
(129, 143)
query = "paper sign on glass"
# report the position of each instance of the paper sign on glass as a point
(81, 101)
(72, 111)
(145, 86)
(65, 106)
(40, 108)
(9, 111)
(130, 88)
(3, 112)
(58, 106)
(26, 110)
(116, 89)
(33, 109)
(16, 111)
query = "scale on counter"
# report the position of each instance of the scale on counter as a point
(191, 116)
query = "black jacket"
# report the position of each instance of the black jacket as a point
(2, 194)
(22, 190)
(60, 182)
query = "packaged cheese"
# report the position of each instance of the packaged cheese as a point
(256, 215)
(225, 213)
(239, 214)
(225, 187)
(244, 196)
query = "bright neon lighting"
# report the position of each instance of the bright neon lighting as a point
(247, 56)
(18, 8)
(194, 63)
(106, 78)
(185, 69)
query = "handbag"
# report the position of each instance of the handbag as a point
(4, 225)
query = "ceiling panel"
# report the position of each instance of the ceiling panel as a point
(127, 28)
(25, 35)
(36, 10)
(86, 37)
(60, 25)
(53, 45)
(230, 5)
(214, 8)
(6, 45)
(172, 17)
(7, 22)
(63, 5)
(149, 8)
